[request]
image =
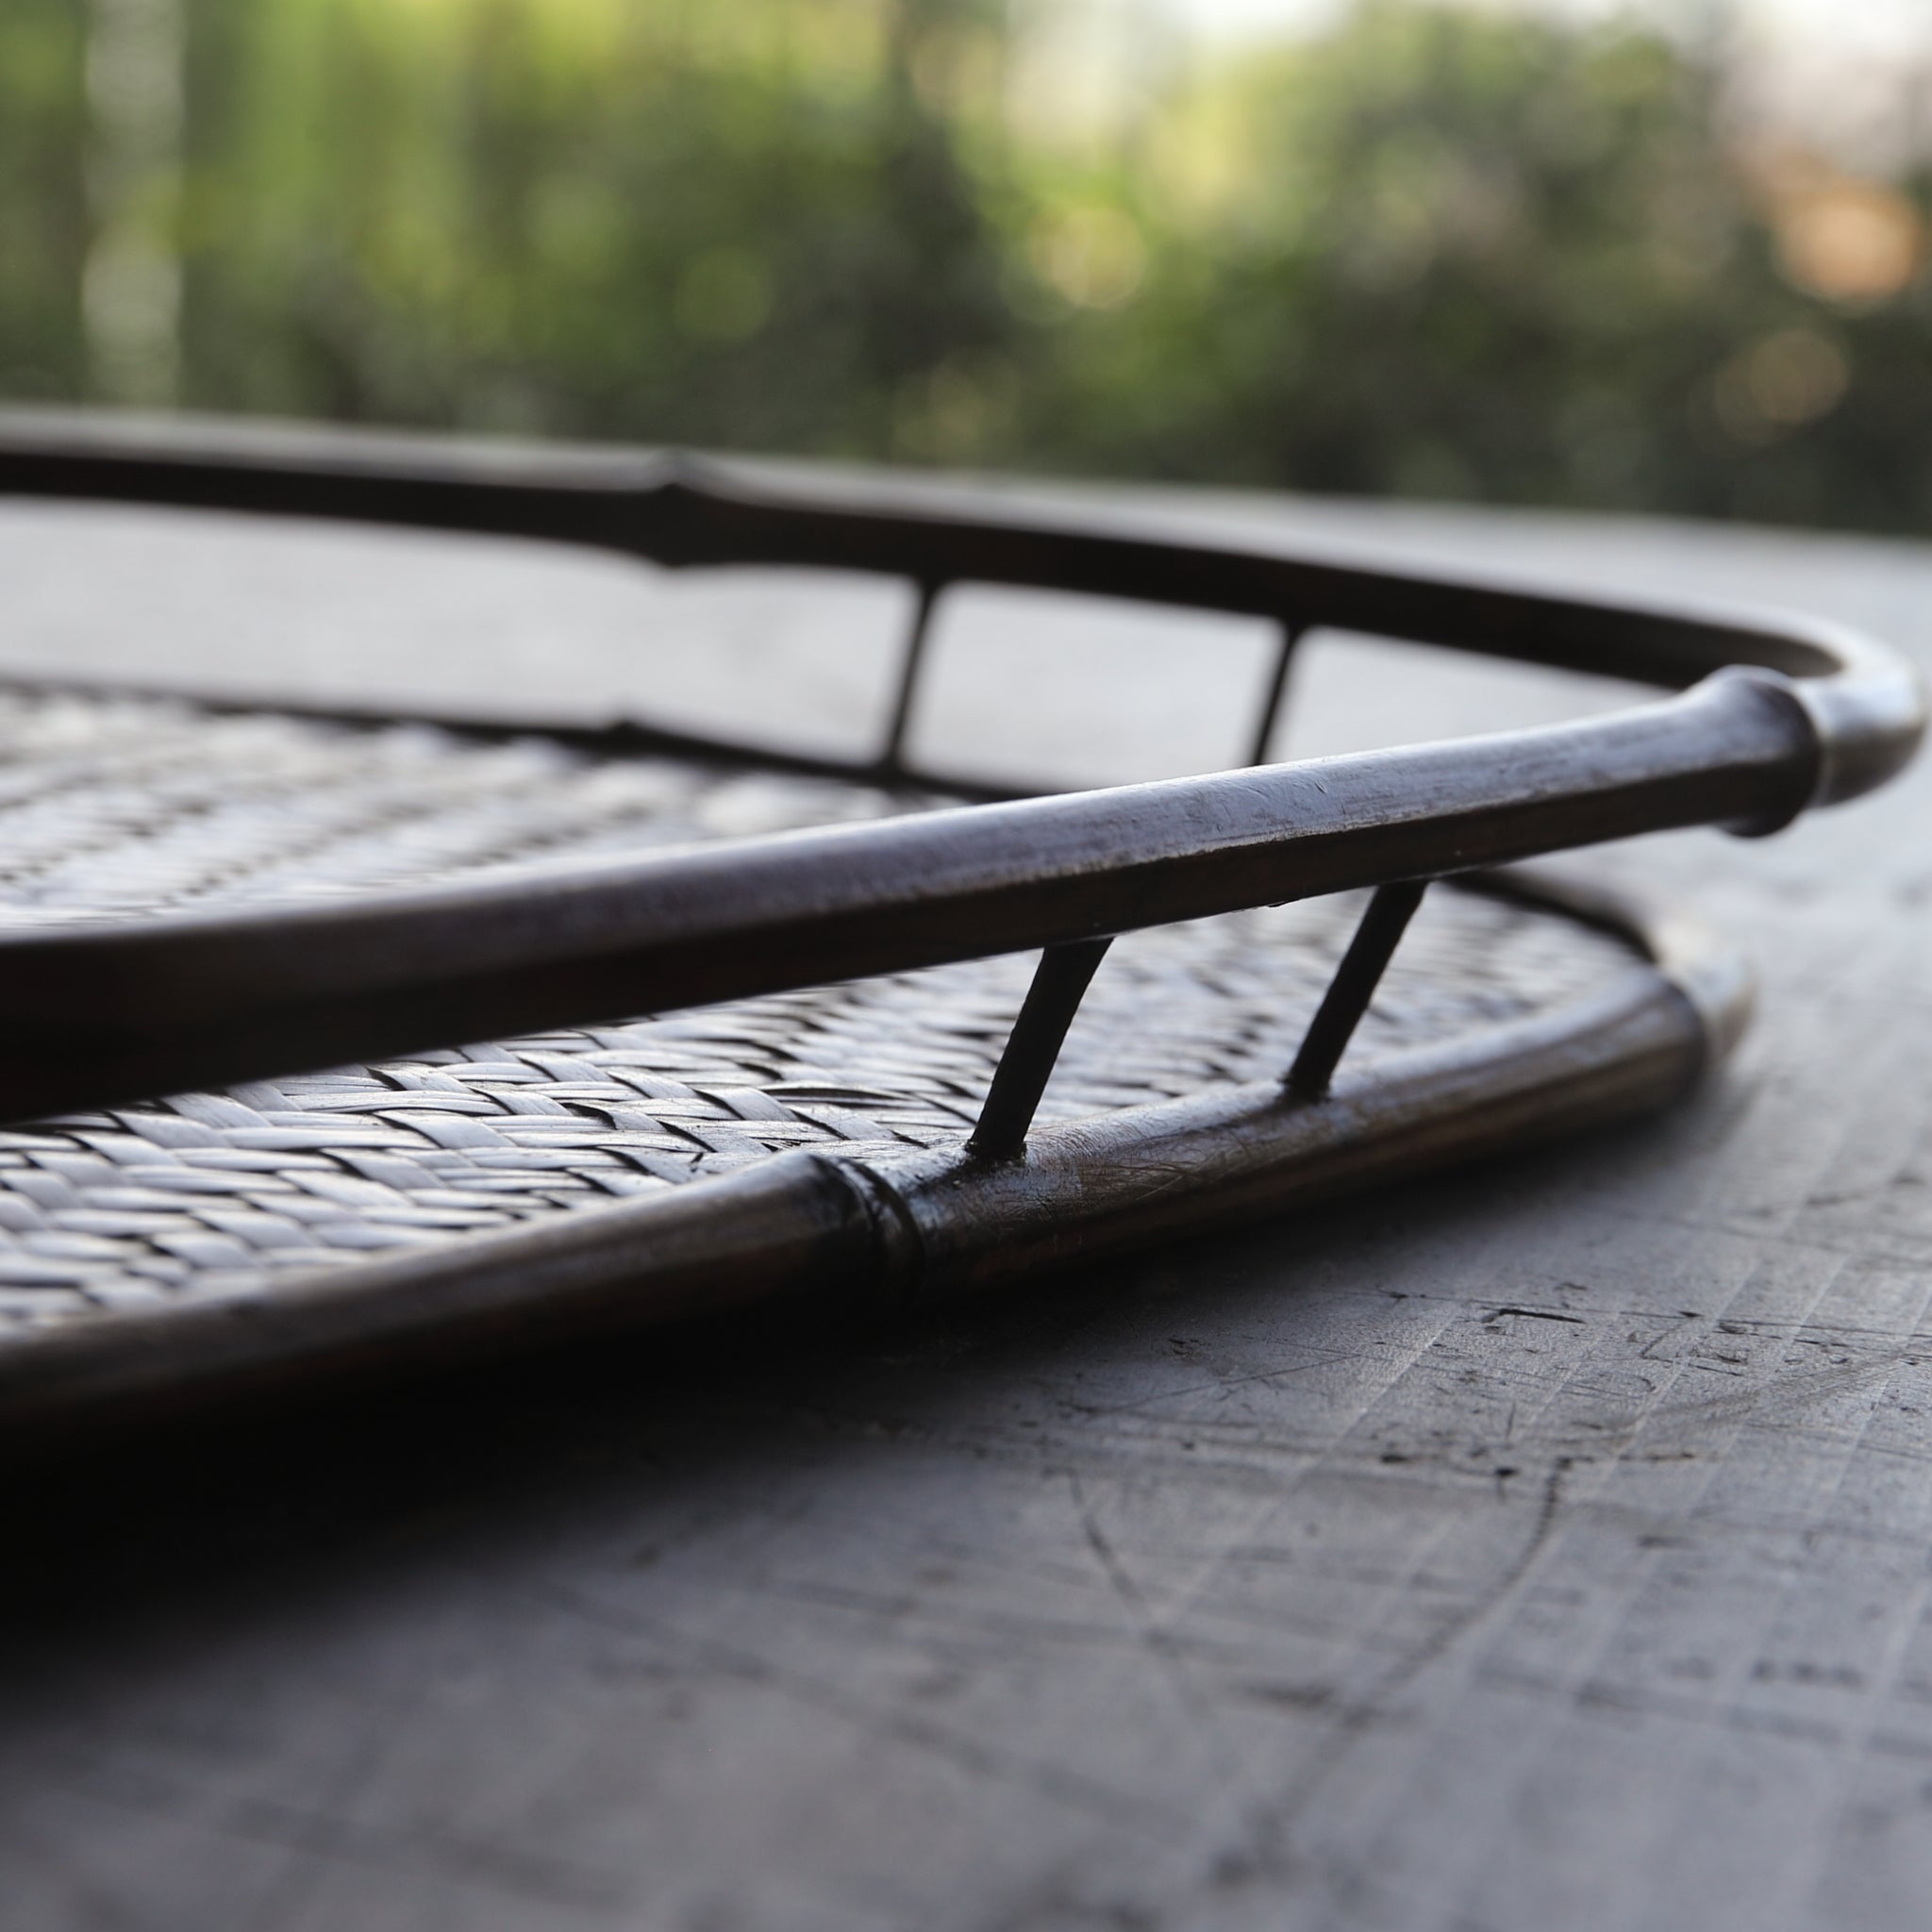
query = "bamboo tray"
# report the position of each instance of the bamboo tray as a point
(387, 973)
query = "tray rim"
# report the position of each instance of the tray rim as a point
(865, 1233)
(1769, 716)
(1772, 715)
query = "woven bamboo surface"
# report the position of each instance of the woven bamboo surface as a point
(113, 806)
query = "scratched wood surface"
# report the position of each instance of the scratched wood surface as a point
(1545, 1546)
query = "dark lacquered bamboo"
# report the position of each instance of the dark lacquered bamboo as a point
(1354, 986)
(1774, 718)
(874, 1231)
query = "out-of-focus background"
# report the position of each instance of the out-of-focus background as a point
(1669, 258)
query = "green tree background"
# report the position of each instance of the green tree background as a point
(1434, 251)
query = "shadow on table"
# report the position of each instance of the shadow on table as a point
(178, 1522)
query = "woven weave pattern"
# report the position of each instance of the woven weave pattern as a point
(111, 807)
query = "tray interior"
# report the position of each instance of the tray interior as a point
(113, 806)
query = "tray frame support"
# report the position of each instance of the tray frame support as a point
(1033, 1048)
(1066, 970)
(1270, 713)
(1383, 923)
(891, 760)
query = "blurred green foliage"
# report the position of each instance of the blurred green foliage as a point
(1434, 251)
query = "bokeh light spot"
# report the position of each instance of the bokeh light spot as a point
(1779, 384)
(1850, 242)
(1092, 257)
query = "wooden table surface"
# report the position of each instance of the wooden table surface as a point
(1547, 1546)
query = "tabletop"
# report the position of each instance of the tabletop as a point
(1542, 1544)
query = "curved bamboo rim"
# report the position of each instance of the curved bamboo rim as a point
(1770, 716)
